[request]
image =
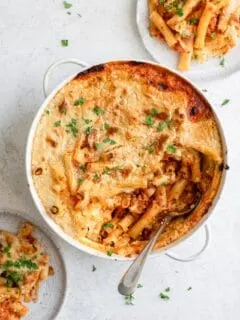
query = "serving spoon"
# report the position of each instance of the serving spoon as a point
(130, 279)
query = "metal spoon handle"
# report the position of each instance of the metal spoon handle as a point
(131, 276)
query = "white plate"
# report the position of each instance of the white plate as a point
(164, 55)
(52, 291)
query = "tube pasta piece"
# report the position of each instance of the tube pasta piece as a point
(177, 190)
(148, 217)
(69, 168)
(163, 28)
(205, 19)
(187, 9)
(186, 56)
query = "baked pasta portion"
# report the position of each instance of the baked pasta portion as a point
(197, 29)
(23, 265)
(120, 146)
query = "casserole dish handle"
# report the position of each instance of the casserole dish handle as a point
(176, 257)
(54, 66)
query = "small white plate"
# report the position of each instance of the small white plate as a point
(209, 70)
(52, 290)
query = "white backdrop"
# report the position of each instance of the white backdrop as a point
(30, 35)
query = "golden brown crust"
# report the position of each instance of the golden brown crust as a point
(124, 134)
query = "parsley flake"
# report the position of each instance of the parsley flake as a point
(154, 112)
(179, 11)
(79, 102)
(139, 285)
(67, 5)
(129, 299)
(87, 131)
(94, 268)
(96, 177)
(110, 141)
(222, 62)
(109, 253)
(171, 148)
(106, 126)
(213, 35)
(72, 127)
(167, 289)
(151, 149)
(163, 125)
(47, 112)
(193, 21)
(64, 43)
(149, 121)
(98, 111)
(189, 288)
(107, 225)
(164, 296)
(80, 181)
(83, 167)
(6, 250)
(57, 123)
(225, 101)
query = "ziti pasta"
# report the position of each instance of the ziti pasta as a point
(196, 29)
(120, 146)
(23, 266)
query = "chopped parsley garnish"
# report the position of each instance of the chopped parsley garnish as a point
(98, 145)
(162, 1)
(171, 148)
(189, 288)
(63, 110)
(129, 299)
(96, 177)
(79, 102)
(6, 250)
(110, 141)
(222, 62)
(151, 149)
(12, 277)
(193, 21)
(80, 181)
(106, 170)
(57, 123)
(106, 126)
(47, 112)
(179, 11)
(72, 127)
(94, 268)
(154, 112)
(98, 111)
(110, 253)
(21, 263)
(64, 42)
(213, 35)
(167, 289)
(67, 5)
(139, 285)
(225, 101)
(107, 225)
(87, 121)
(149, 121)
(164, 296)
(83, 167)
(163, 125)
(88, 130)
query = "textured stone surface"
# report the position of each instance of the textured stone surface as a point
(30, 35)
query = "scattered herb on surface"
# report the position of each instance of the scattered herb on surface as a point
(139, 285)
(79, 102)
(163, 125)
(13, 278)
(57, 123)
(106, 170)
(110, 253)
(154, 112)
(164, 296)
(149, 121)
(151, 149)
(162, 1)
(222, 62)
(47, 112)
(67, 5)
(80, 181)
(179, 11)
(96, 177)
(171, 148)
(94, 268)
(98, 145)
(189, 288)
(88, 130)
(64, 42)
(21, 263)
(167, 289)
(107, 225)
(110, 141)
(106, 126)
(87, 121)
(98, 111)
(6, 250)
(83, 167)
(213, 35)
(225, 101)
(129, 299)
(72, 127)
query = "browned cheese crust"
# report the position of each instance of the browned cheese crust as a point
(119, 147)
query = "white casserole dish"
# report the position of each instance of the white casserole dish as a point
(57, 228)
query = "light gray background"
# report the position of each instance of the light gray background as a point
(30, 34)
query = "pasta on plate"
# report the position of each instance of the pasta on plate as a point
(23, 265)
(117, 148)
(197, 29)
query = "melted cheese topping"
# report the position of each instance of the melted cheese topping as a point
(116, 140)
